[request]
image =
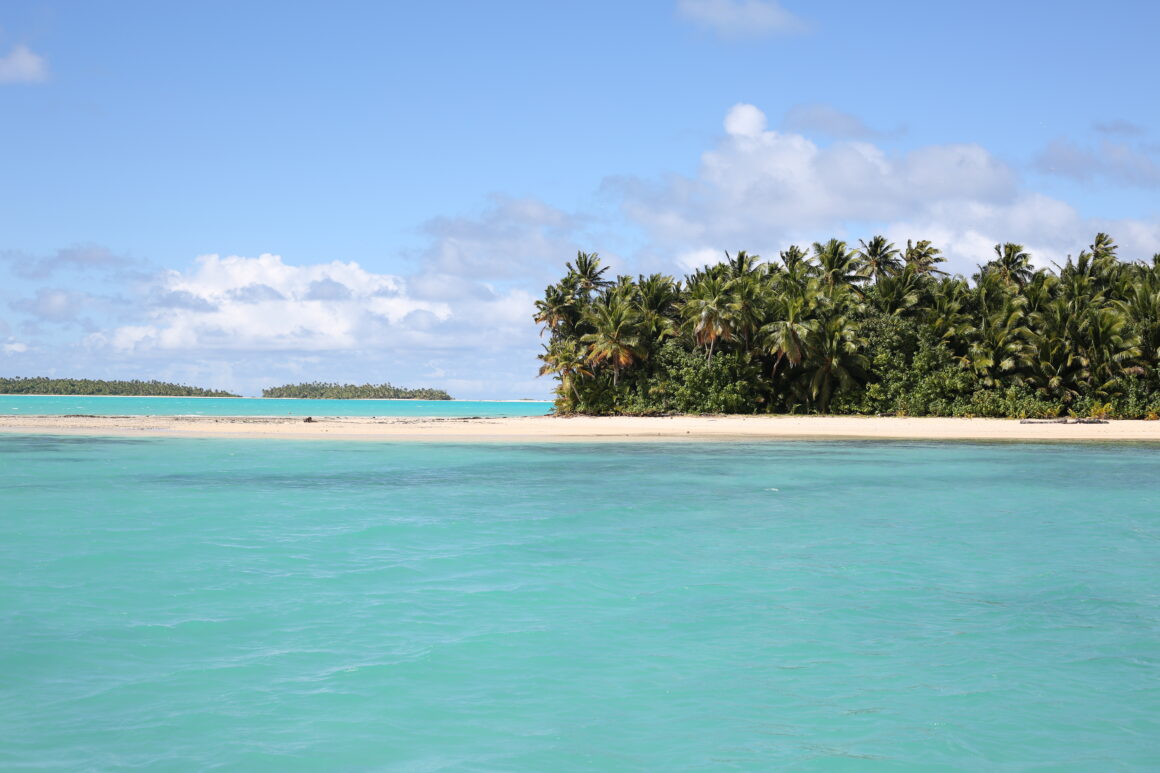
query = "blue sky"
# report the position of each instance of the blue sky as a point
(243, 194)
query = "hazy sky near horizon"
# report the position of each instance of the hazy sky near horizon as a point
(237, 195)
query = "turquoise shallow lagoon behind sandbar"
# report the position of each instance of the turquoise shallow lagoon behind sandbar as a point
(178, 604)
(101, 405)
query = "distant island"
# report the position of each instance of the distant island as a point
(87, 386)
(327, 391)
(42, 385)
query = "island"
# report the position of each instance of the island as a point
(870, 330)
(44, 385)
(328, 391)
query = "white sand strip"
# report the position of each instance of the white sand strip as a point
(580, 428)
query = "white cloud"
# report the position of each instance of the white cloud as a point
(239, 303)
(740, 18)
(86, 257)
(694, 259)
(14, 347)
(744, 120)
(1116, 161)
(827, 120)
(760, 190)
(512, 239)
(21, 65)
(52, 305)
(264, 321)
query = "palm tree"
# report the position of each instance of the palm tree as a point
(1108, 346)
(879, 258)
(948, 316)
(616, 337)
(557, 310)
(656, 301)
(923, 257)
(793, 257)
(708, 315)
(568, 361)
(1011, 263)
(743, 264)
(837, 264)
(785, 337)
(896, 294)
(586, 273)
(1103, 247)
(1143, 310)
(1001, 344)
(748, 304)
(1041, 291)
(1055, 367)
(834, 361)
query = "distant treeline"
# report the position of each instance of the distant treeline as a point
(87, 386)
(319, 389)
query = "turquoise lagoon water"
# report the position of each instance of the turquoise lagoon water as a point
(174, 604)
(56, 405)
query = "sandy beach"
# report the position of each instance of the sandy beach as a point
(579, 428)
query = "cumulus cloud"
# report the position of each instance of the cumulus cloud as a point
(85, 257)
(489, 269)
(744, 120)
(761, 189)
(1115, 161)
(256, 321)
(263, 303)
(174, 299)
(14, 347)
(513, 239)
(325, 320)
(21, 65)
(52, 305)
(740, 18)
(817, 118)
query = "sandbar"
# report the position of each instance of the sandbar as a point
(579, 428)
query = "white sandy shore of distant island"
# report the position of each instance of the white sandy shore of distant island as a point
(578, 428)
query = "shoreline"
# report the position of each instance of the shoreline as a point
(259, 397)
(580, 428)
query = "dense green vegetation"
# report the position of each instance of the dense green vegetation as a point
(872, 329)
(85, 386)
(318, 389)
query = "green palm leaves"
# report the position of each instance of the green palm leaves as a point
(923, 257)
(616, 339)
(708, 313)
(879, 258)
(1012, 264)
(837, 264)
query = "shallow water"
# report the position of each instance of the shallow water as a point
(57, 405)
(244, 604)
